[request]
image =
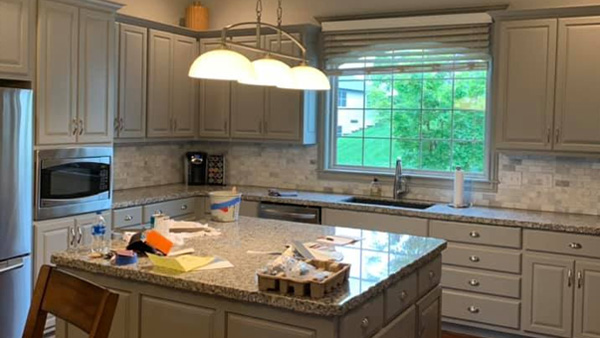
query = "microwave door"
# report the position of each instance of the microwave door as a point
(74, 181)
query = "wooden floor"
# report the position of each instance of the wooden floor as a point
(446, 334)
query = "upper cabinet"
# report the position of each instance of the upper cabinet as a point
(76, 83)
(17, 26)
(547, 82)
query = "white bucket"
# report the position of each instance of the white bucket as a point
(225, 206)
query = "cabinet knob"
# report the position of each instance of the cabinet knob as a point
(431, 274)
(184, 207)
(474, 282)
(364, 323)
(128, 218)
(474, 259)
(473, 309)
(474, 234)
(575, 245)
(403, 295)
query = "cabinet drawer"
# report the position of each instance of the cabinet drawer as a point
(429, 276)
(127, 217)
(483, 282)
(363, 321)
(482, 309)
(476, 234)
(483, 258)
(557, 242)
(400, 296)
(171, 208)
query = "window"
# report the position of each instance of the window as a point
(342, 98)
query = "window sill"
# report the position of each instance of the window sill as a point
(433, 182)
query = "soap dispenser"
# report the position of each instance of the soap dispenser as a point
(375, 189)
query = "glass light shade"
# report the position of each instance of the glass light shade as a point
(221, 64)
(308, 78)
(269, 72)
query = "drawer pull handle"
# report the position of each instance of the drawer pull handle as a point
(474, 234)
(575, 245)
(403, 295)
(474, 282)
(474, 259)
(570, 278)
(579, 279)
(184, 207)
(364, 323)
(431, 275)
(128, 218)
(473, 309)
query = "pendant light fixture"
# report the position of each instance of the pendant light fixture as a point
(227, 64)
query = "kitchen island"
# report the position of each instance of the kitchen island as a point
(392, 291)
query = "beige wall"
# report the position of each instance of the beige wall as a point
(223, 12)
(165, 11)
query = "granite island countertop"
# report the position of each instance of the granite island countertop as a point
(377, 261)
(551, 221)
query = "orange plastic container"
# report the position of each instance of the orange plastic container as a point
(196, 17)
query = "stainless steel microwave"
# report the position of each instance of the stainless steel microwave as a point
(72, 181)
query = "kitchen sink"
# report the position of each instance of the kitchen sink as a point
(389, 203)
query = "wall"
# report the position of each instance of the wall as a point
(546, 183)
(165, 11)
(223, 12)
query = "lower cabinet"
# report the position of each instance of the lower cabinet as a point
(587, 300)
(239, 326)
(405, 326)
(161, 318)
(377, 222)
(249, 209)
(429, 313)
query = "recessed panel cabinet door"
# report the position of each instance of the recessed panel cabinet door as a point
(96, 76)
(160, 79)
(160, 318)
(214, 101)
(578, 85)
(56, 97)
(525, 84)
(429, 314)
(239, 326)
(185, 51)
(133, 51)
(16, 17)
(50, 237)
(587, 300)
(548, 294)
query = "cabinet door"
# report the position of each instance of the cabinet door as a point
(577, 85)
(56, 99)
(185, 51)
(96, 76)
(429, 314)
(525, 95)
(239, 326)
(214, 101)
(587, 300)
(160, 79)
(247, 102)
(376, 222)
(285, 107)
(16, 18)
(157, 317)
(548, 294)
(133, 53)
(50, 237)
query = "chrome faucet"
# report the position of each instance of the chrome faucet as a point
(400, 182)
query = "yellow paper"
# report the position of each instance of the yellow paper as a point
(183, 263)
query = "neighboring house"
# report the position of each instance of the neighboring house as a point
(350, 107)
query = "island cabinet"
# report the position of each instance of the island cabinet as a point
(376, 222)
(17, 30)
(547, 82)
(138, 216)
(76, 84)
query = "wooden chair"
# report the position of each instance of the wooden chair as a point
(83, 304)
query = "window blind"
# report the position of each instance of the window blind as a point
(407, 49)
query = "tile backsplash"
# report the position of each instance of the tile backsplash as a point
(534, 182)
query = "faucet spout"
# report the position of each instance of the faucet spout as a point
(400, 182)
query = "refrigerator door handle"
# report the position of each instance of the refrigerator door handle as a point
(13, 264)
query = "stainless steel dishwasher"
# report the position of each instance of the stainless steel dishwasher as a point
(292, 213)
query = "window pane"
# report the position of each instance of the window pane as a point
(438, 75)
(437, 94)
(349, 151)
(470, 94)
(436, 155)
(472, 74)
(436, 124)
(408, 76)
(379, 94)
(408, 151)
(353, 92)
(350, 123)
(406, 124)
(377, 153)
(377, 123)
(379, 77)
(407, 94)
(470, 156)
(469, 125)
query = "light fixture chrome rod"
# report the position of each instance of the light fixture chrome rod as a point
(260, 50)
(273, 27)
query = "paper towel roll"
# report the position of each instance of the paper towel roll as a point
(459, 188)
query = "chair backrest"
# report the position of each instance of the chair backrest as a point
(88, 306)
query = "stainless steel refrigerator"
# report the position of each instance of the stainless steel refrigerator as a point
(16, 206)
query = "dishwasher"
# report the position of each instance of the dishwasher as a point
(289, 212)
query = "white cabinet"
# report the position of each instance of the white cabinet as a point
(171, 93)
(76, 74)
(376, 222)
(587, 300)
(429, 310)
(17, 25)
(133, 50)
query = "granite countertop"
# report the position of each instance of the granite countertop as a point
(551, 221)
(378, 261)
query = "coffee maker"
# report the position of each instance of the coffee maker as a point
(195, 164)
